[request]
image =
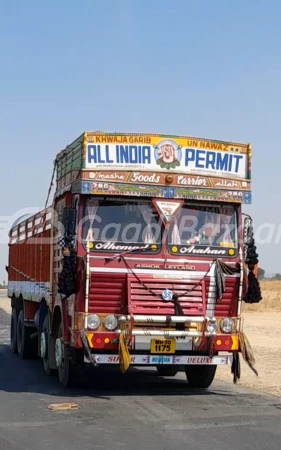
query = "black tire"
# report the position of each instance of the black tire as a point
(13, 331)
(26, 347)
(69, 374)
(200, 376)
(167, 371)
(46, 362)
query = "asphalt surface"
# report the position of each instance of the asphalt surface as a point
(138, 410)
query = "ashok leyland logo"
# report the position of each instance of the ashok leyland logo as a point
(167, 154)
(167, 295)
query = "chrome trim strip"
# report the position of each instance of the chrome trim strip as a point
(181, 360)
(163, 319)
(161, 260)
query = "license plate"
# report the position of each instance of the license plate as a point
(163, 346)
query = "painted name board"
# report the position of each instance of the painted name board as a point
(171, 192)
(163, 359)
(167, 155)
(157, 178)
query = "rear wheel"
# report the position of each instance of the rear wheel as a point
(169, 371)
(13, 331)
(26, 347)
(200, 376)
(45, 347)
(68, 371)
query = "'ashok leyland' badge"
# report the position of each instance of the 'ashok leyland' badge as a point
(167, 295)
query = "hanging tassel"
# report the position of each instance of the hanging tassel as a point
(253, 294)
(222, 269)
(235, 367)
(247, 351)
(124, 355)
(67, 277)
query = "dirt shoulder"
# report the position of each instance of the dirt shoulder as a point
(5, 302)
(263, 330)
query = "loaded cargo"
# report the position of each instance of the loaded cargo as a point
(142, 257)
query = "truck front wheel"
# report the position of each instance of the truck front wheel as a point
(200, 376)
(68, 371)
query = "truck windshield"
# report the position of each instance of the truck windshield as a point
(200, 226)
(111, 221)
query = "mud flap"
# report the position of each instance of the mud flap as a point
(86, 348)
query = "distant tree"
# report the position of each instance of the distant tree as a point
(261, 273)
(277, 276)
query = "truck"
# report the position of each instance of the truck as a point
(142, 257)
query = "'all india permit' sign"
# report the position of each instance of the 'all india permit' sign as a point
(166, 155)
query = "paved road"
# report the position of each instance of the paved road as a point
(135, 411)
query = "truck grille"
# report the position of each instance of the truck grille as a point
(228, 305)
(142, 301)
(107, 293)
(123, 294)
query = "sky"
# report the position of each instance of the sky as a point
(208, 69)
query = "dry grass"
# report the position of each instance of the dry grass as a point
(271, 297)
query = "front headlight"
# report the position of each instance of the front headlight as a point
(93, 321)
(110, 322)
(212, 325)
(227, 325)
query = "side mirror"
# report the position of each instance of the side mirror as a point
(69, 221)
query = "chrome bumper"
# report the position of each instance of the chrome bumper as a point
(165, 320)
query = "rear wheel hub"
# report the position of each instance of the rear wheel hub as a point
(58, 352)
(43, 346)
